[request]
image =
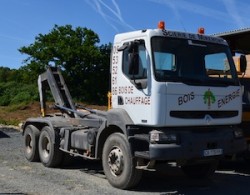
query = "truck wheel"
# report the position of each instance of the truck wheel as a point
(199, 171)
(50, 155)
(67, 160)
(31, 137)
(118, 163)
(246, 154)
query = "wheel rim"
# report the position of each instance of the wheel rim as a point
(28, 143)
(45, 147)
(115, 161)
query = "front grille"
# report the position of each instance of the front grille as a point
(202, 114)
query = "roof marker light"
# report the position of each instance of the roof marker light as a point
(201, 31)
(161, 25)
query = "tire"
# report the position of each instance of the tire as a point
(118, 163)
(200, 171)
(246, 159)
(49, 153)
(67, 160)
(246, 154)
(31, 137)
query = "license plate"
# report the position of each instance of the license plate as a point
(212, 152)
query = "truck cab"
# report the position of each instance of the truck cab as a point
(166, 78)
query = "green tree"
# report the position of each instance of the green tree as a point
(103, 71)
(4, 74)
(82, 61)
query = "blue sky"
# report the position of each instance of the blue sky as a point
(22, 20)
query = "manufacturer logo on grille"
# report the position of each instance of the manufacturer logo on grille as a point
(208, 119)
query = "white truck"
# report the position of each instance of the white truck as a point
(175, 97)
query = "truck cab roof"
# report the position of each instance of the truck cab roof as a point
(122, 37)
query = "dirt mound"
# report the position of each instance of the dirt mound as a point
(14, 116)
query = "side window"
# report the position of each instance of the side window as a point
(217, 65)
(164, 61)
(142, 73)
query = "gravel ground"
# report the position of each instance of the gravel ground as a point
(18, 176)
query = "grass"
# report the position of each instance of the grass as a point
(17, 107)
(9, 122)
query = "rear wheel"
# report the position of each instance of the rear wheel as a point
(199, 171)
(49, 152)
(118, 163)
(31, 137)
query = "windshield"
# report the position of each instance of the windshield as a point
(182, 60)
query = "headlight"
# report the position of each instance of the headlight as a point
(154, 136)
(161, 137)
(238, 133)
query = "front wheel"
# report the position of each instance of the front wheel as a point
(118, 163)
(49, 152)
(199, 171)
(246, 154)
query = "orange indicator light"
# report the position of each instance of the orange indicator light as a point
(201, 31)
(161, 25)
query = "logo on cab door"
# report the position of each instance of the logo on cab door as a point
(209, 98)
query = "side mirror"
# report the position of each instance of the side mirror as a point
(133, 64)
(133, 58)
(243, 63)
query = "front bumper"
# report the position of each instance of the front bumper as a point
(197, 144)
